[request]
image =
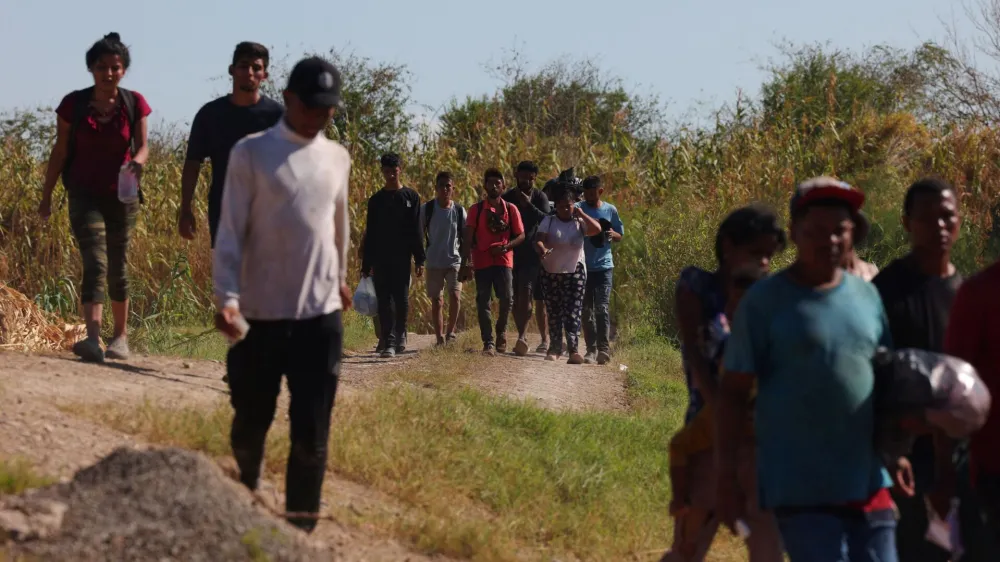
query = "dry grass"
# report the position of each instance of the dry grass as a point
(25, 327)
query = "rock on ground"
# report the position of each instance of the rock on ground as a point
(153, 505)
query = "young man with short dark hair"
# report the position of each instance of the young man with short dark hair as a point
(216, 128)
(806, 337)
(917, 291)
(600, 269)
(292, 288)
(393, 240)
(443, 220)
(492, 231)
(533, 205)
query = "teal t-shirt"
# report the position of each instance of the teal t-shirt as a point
(811, 352)
(601, 259)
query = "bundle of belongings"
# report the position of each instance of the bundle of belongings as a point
(943, 392)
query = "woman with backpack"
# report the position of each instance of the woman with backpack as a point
(560, 243)
(101, 132)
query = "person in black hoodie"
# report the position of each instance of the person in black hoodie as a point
(392, 239)
(533, 206)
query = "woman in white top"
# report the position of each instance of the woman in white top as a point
(560, 243)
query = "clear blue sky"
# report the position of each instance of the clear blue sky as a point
(686, 51)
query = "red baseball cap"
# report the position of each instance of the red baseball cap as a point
(825, 187)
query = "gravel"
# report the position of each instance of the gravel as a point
(153, 505)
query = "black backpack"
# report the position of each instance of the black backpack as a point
(459, 223)
(81, 107)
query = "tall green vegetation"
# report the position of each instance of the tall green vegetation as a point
(879, 118)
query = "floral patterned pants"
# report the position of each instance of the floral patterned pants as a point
(564, 300)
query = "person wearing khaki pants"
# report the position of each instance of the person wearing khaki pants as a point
(442, 221)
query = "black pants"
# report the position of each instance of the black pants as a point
(308, 353)
(392, 287)
(489, 280)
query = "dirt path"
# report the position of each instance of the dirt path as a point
(555, 385)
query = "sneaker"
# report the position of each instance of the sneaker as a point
(89, 350)
(501, 345)
(401, 343)
(550, 357)
(389, 353)
(575, 358)
(379, 347)
(590, 358)
(450, 338)
(118, 349)
(542, 347)
(521, 348)
(440, 341)
(489, 350)
(603, 358)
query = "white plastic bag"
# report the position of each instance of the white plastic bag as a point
(128, 185)
(364, 298)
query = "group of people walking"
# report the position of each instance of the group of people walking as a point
(530, 248)
(278, 218)
(779, 369)
(779, 436)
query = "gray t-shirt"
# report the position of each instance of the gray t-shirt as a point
(442, 236)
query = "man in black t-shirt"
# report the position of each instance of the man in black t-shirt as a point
(393, 237)
(917, 291)
(218, 125)
(533, 206)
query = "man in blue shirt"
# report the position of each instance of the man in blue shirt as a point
(600, 265)
(806, 336)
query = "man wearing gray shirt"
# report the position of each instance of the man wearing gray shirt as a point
(442, 221)
(280, 261)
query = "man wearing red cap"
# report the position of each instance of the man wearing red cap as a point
(806, 336)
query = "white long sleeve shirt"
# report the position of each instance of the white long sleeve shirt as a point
(281, 249)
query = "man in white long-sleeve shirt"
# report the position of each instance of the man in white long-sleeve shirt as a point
(281, 262)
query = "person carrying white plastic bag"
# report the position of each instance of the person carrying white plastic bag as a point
(365, 301)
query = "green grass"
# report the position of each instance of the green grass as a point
(204, 342)
(18, 475)
(483, 477)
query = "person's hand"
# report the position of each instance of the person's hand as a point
(464, 273)
(45, 207)
(345, 296)
(136, 168)
(186, 224)
(499, 250)
(678, 507)
(420, 271)
(227, 321)
(902, 477)
(730, 502)
(522, 197)
(608, 236)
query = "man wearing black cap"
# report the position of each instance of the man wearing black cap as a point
(806, 336)
(392, 239)
(917, 291)
(280, 262)
(533, 206)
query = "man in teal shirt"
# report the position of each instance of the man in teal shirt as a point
(600, 266)
(807, 336)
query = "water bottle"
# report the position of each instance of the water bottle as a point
(128, 185)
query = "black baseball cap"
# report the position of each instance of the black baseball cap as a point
(316, 82)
